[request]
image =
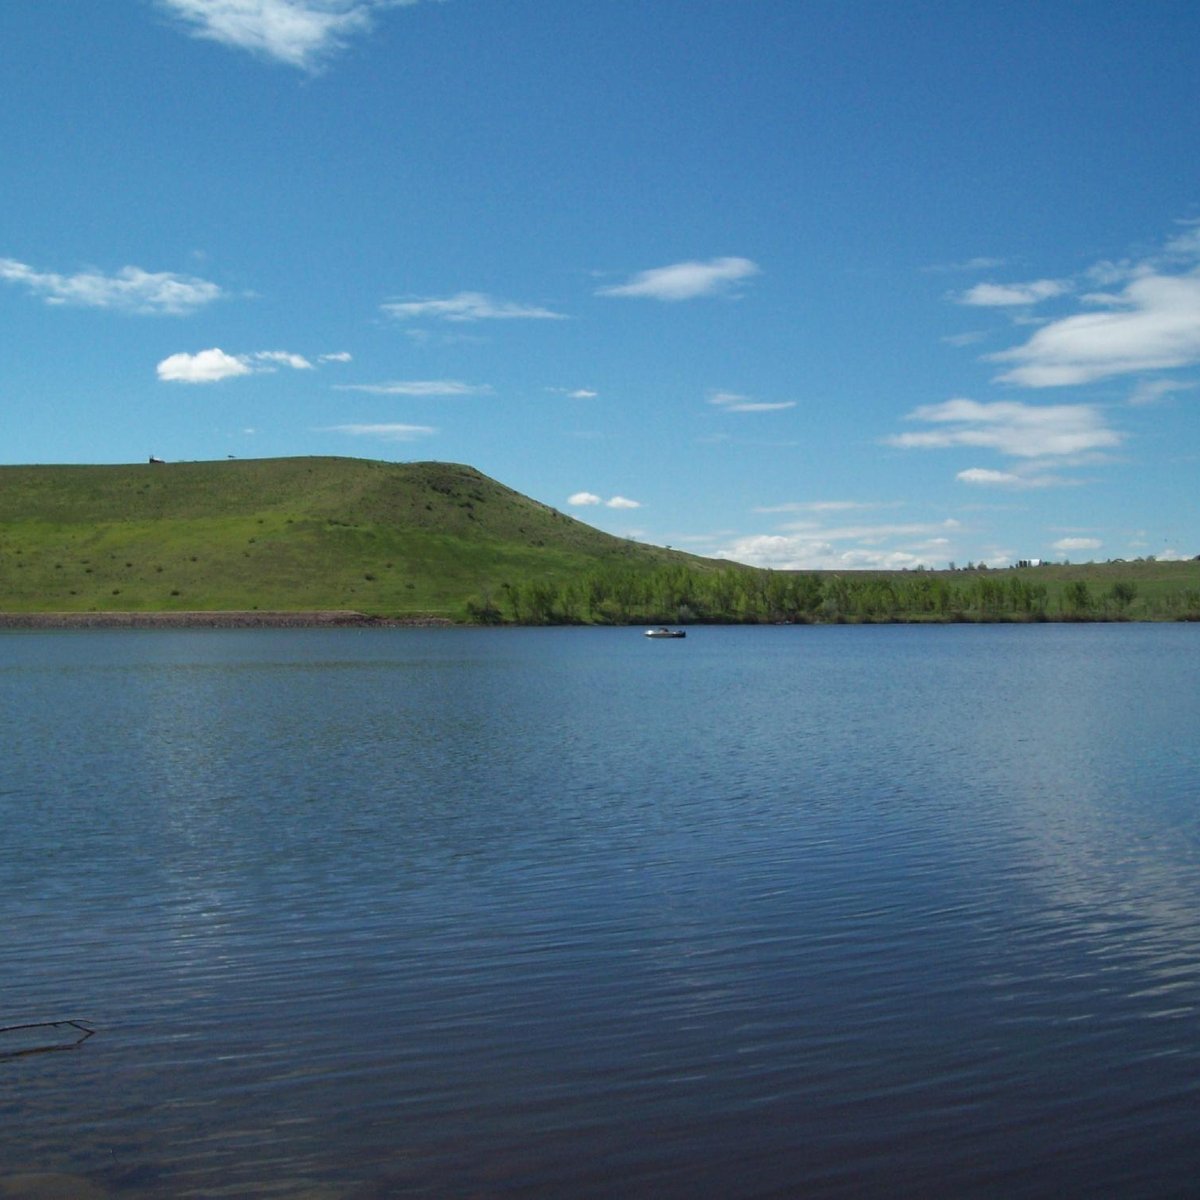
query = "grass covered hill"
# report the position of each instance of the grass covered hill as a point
(288, 534)
(421, 540)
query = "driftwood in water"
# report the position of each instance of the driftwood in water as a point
(42, 1037)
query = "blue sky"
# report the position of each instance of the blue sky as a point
(801, 284)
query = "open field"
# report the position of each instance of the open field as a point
(419, 541)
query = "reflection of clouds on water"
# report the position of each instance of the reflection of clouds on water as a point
(867, 886)
(1092, 774)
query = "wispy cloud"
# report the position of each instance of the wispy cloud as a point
(733, 402)
(1006, 295)
(1014, 480)
(574, 393)
(823, 506)
(300, 33)
(383, 432)
(979, 263)
(283, 358)
(214, 365)
(1151, 391)
(686, 280)
(590, 499)
(1152, 324)
(969, 338)
(1011, 428)
(1068, 544)
(341, 356)
(467, 306)
(417, 387)
(128, 290)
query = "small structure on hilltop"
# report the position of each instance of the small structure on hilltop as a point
(160, 461)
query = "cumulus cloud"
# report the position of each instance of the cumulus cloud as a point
(300, 33)
(686, 280)
(128, 290)
(1011, 428)
(1152, 324)
(733, 402)
(468, 306)
(1005, 295)
(821, 548)
(211, 366)
(589, 499)
(384, 432)
(417, 387)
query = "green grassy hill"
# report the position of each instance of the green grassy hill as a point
(291, 534)
(438, 540)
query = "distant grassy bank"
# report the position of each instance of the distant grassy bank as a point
(334, 538)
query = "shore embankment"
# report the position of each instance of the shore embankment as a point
(210, 620)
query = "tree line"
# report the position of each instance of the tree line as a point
(682, 595)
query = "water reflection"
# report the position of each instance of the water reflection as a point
(836, 912)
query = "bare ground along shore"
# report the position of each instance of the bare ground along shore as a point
(208, 620)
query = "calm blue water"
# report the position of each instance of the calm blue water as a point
(780, 912)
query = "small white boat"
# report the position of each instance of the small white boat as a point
(663, 632)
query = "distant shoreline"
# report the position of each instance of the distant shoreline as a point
(210, 620)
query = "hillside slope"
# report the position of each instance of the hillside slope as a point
(288, 534)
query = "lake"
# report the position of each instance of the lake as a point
(879, 911)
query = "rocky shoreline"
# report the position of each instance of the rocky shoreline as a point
(213, 620)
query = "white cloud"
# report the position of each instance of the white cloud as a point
(341, 356)
(1064, 545)
(1004, 295)
(1151, 391)
(588, 499)
(129, 290)
(385, 432)
(686, 280)
(816, 547)
(875, 533)
(792, 553)
(1153, 324)
(211, 366)
(417, 387)
(733, 402)
(582, 394)
(1187, 244)
(285, 359)
(1012, 428)
(980, 263)
(964, 339)
(468, 306)
(300, 33)
(983, 477)
(822, 506)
